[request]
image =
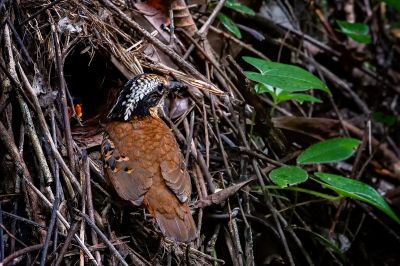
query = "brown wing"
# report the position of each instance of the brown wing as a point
(173, 169)
(128, 178)
(154, 173)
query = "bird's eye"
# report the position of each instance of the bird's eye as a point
(155, 96)
(160, 88)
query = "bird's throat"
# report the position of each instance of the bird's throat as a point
(154, 112)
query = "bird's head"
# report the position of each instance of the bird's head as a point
(142, 95)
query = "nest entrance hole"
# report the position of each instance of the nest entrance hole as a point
(92, 80)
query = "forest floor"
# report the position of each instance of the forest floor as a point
(289, 129)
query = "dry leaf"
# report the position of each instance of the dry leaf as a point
(221, 195)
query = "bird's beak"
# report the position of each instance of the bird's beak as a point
(175, 85)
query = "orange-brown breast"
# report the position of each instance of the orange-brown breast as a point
(145, 166)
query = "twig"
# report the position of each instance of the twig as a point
(35, 140)
(82, 232)
(360, 150)
(89, 201)
(50, 229)
(310, 39)
(274, 213)
(221, 146)
(63, 97)
(234, 232)
(367, 161)
(195, 251)
(24, 220)
(213, 62)
(206, 173)
(391, 232)
(72, 231)
(20, 253)
(189, 137)
(206, 135)
(20, 42)
(203, 31)
(231, 248)
(296, 239)
(34, 15)
(237, 41)
(259, 155)
(113, 250)
(1, 235)
(7, 141)
(31, 198)
(164, 48)
(14, 221)
(200, 179)
(25, 112)
(45, 129)
(62, 219)
(12, 235)
(56, 171)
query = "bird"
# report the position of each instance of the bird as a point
(142, 159)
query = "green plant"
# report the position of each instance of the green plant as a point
(330, 151)
(356, 31)
(387, 120)
(283, 82)
(228, 23)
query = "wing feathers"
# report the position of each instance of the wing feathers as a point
(182, 229)
(129, 180)
(177, 180)
(145, 166)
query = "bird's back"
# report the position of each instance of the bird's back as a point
(145, 166)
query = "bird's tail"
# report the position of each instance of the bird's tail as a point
(178, 226)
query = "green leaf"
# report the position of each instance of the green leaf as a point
(327, 151)
(239, 7)
(288, 176)
(283, 80)
(299, 97)
(283, 76)
(229, 25)
(393, 3)
(262, 88)
(306, 191)
(279, 96)
(360, 38)
(389, 120)
(357, 190)
(356, 31)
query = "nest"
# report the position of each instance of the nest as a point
(64, 55)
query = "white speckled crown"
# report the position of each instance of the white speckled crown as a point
(133, 92)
